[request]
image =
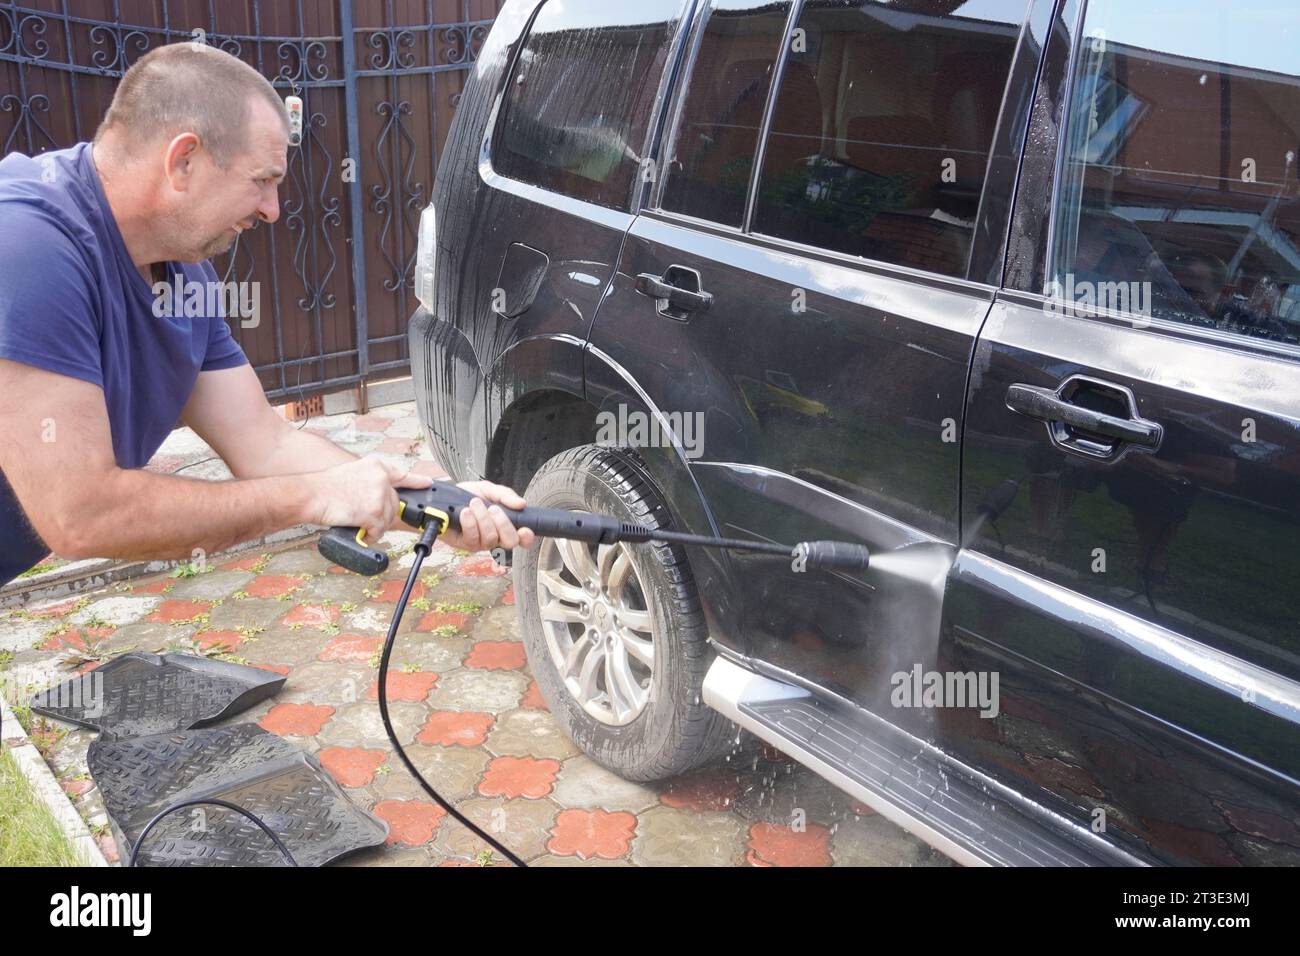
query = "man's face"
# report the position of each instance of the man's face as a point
(222, 203)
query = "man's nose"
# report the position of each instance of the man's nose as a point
(268, 210)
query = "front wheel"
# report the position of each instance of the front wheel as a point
(614, 633)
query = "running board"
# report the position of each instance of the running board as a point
(880, 765)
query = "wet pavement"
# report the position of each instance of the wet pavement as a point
(461, 698)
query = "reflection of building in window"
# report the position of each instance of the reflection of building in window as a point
(1180, 172)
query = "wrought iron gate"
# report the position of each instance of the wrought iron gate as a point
(379, 79)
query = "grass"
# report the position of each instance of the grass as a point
(30, 835)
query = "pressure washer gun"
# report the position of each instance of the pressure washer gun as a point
(435, 509)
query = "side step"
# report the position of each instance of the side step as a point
(900, 777)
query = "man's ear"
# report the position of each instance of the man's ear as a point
(179, 160)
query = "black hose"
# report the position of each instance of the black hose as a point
(422, 549)
(279, 844)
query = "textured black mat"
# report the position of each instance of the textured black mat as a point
(254, 769)
(137, 694)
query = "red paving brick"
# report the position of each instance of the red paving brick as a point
(153, 587)
(509, 596)
(481, 566)
(242, 564)
(519, 777)
(390, 591)
(410, 822)
(533, 700)
(75, 788)
(771, 845)
(371, 423)
(396, 446)
(311, 615)
(436, 619)
(296, 720)
(272, 585)
(403, 686)
(55, 610)
(588, 834)
(351, 649)
(169, 612)
(69, 640)
(226, 640)
(351, 766)
(497, 655)
(455, 727)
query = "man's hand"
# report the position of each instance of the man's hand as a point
(484, 527)
(360, 494)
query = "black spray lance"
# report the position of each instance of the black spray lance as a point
(435, 509)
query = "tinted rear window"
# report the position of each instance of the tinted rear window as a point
(880, 136)
(579, 101)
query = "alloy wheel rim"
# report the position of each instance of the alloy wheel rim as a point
(598, 627)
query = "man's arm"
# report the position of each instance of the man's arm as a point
(229, 410)
(56, 452)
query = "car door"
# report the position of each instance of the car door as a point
(1131, 468)
(802, 282)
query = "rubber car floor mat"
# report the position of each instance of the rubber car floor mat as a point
(137, 694)
(268, 776)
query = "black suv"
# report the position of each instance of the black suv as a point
(1007, 291)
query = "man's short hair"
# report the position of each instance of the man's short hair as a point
(189, 87)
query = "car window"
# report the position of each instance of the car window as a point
(880, 136)
(580, 98)
(722, 112)
(1179, 195)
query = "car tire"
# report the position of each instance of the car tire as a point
(638, 714)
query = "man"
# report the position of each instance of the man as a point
(92, 380)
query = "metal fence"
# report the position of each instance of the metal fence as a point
(380, 80)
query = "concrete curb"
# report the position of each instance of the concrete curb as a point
(43, 783)
(96, 573)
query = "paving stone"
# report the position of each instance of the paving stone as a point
(429, 652)
(875, 841)
(584, 784)
(531, 733)
(368, 618)
(211, 586)
(453, 771)
(325, 682)
(458, 590)
(497, 624)
(17, 634)
(388, 856)
(404, 428)
(667, 837)
(552, 860)
(335, 588)
(362, 724)
(247, 612)
(521, 825)
(147, 636)
(492, 692)
(283, 646)
(304, 560)
(114, 611)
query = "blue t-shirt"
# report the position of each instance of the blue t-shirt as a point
(73, 302)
